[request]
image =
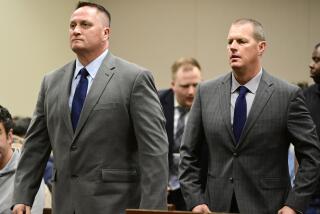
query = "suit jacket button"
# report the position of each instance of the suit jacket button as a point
(231, 179)
(73, 148)
(235, 154)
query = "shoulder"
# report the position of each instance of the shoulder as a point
(311, 89)
(59, 73)
(165, 93)
(214, 83)
(279, 84)
(123, 66)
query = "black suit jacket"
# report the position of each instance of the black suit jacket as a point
(167, 101)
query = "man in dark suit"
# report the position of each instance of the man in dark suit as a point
(312, 94)
(102, 118)
(176, 102)
(248, 119)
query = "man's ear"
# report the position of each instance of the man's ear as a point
(262, 45)
(173, 85)
(107, 32)
(10, 136)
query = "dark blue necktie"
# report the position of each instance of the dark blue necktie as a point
(79, 97)
(240, 112)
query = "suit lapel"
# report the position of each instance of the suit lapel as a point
(225, 96)
(262, 96)
(168, 107)
(65, 93)
(99, 84)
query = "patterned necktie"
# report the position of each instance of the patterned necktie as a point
(240, 112)
(79, 97)
(180, 128)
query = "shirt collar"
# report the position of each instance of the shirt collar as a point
(92, 67)
(252, 85)
(176, 104)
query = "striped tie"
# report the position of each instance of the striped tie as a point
(180, 128)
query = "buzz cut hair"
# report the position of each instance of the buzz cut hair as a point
(97, 6)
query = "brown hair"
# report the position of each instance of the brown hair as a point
(182, 62)
(99, 8)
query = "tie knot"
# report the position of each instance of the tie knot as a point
(182, 110)
(83, 72)
(242, 90)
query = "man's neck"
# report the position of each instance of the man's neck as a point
(245, 75)
(86, 58)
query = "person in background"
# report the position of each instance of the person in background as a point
(312, 95)
(9, 158)
(102, 118)
(21, 125)
(176, 102)
(248, 119)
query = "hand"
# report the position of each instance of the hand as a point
(286, 210)
(21, 209)
(202, 208)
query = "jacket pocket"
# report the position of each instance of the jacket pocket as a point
(119, 175)
(274, 183)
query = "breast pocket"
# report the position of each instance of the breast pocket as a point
(107, 106)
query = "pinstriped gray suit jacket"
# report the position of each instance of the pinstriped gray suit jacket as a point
(256, 169)
(117, 157)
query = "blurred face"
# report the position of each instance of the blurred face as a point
(185, 83)
(89, 31)
(5, 146)
(243, 50)
(315, 66)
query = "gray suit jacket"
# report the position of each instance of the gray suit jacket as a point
(256, 169)
(117, 156)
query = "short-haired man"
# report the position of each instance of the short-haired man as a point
(102, 118)
(312, 95)
(9, 158)
(176, 103)
(248, 119)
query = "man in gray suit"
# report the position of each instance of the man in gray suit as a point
(248, 152)
(112, 154)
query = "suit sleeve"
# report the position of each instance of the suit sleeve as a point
(302, 133)
(149, 127)
(35, 153)
(190, 151)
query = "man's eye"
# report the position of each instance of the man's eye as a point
(85, 25)
(316, 60)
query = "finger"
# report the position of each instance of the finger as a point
(28, 210)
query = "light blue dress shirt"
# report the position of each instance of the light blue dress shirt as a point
(92, 69)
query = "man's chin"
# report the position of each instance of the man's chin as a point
(316, 79)
(77, 49)
(235, 66)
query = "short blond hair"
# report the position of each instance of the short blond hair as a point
(258, 32)
(183, 61)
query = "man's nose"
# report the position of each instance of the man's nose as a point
(233, 45)
(311, 65)
(76, 30)
(191, 90)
